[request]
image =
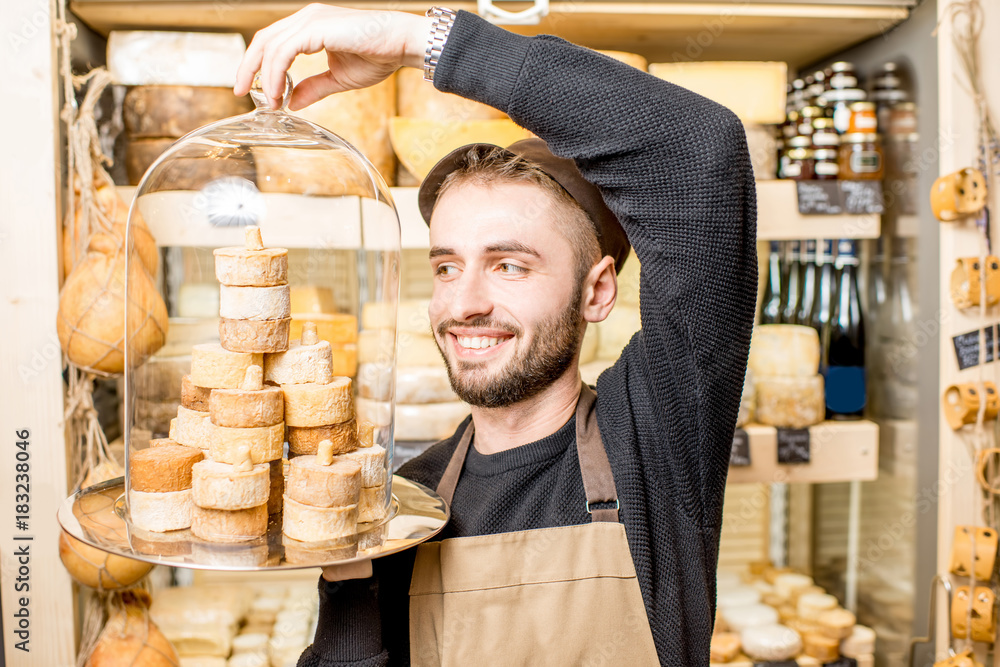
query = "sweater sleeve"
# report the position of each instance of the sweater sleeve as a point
(674, 167)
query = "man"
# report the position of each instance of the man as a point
(582, 532)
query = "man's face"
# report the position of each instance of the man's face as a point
(506, 304)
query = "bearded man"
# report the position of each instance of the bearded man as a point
(584, 528)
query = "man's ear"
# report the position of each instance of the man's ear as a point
(600, 290)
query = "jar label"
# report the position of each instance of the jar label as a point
(826, 139)
(805, 129)
(827, 169)
(865, 162)
(792, 170)
(864, 122)
(840, 81)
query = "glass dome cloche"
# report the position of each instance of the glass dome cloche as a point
(248, 441)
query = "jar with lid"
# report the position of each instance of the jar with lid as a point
(902, 119)
(861, 157)
(825, 164)
(797, 98)
(817, 86)
(806, 117)
(797, 160)
(862, 118)
(840, 102)
(790, 128)
(824, 134)
(843, 76)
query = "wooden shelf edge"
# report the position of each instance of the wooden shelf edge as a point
(840, 452)
(778, 218)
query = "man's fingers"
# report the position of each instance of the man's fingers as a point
(254, 55)
(314, 89)
(362, 570)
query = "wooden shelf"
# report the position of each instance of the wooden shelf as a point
(839, 452)
(797, 33)
(778, 218)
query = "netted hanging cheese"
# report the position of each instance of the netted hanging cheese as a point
(790, 402)
(251, 406)
(191, 428)
(371, 506)
(266, 443)
(313, 482)
(229, 525)
(214, 367)
(305, 439)
(194, 397)
(312, 524)
(254, 303)
(308, 360)
(160, 512)
(434, 421)
(784, 350)
(252, 265)
(372, 462)
(276, 486)
(223, 486)
(257, 336)
(164, 468)
(318, 404)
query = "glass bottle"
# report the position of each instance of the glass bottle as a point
(819, 316)
(774, 289)
(897, 333)
(845, 369)
(794, 290)
(808, 286)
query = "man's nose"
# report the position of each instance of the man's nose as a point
(469, 297)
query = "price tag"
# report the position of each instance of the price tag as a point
(842, 661)
(793, 445)
(740, 454)
(967, 348)
(839, 197)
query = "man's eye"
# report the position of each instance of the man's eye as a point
(444, 270)
(507, 267)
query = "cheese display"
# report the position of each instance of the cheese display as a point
(251, 406)
(771, 642)
(313, 524)
(306, 439)
(308, 360)
(265, 443)
(165, 468)
(254, 303)
(251, 265)
(191, 428)
(215, 367)
(229, 525)
(784, 363)
(223, 486)
(161, 512)
(323, 482)
(314, 404)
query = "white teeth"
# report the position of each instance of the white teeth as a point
(476, 342)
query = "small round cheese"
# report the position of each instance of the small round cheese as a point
(725, 647)
(163, 468)
(319, 404)
(311, 524)
(334, 485)
(254, 336)
(191, 428)
(860, 642)
(266, 443)
(214, 367)
(250, 643)
(836, 623)
(786, 585)
(160, 512)
(371, 506)
(194, 397)
(258, 268)
(220, 486)
(788, 350)
(254, 303)
(229, 525)
(790, 402)
(300, 364)
(247, 408)
(372, 462)
(737, 596)
(811, 605)
(824, 649)
(306, 439)
(255, 658)
(770, 642)
(741, 617)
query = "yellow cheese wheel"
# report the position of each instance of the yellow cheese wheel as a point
(417, 98)
(265, 443)
(254, 335)
(300, 364)
(191, 428)
(160, 512)
(420, 143)
(319, 404)
(312, 483)
(242, 266)
(164, 468)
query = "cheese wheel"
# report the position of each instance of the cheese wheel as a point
(304, 553)
(314, 404)
(770, 642)
(164, 468)
(300, 364)
(312, 299)
(417, 98)
(173, 111)
(814, 589)
(309, 524)
(785, 350)
(239, 266)
(305, 440)
(433, 421)
(786, 585)
(378, 413)
(345, 359)
(194, 397)
(334, 328)
(266, 443)
(741, 617)
(824, 649)
(229, 525)
(372, 462)
(247, 408)
(615, 332)
(725, 647)
(191, 428)
(811, 605)
(334, 485)
(254, 335)
(790, 402)
(250, 643)
(254, 303)
(836, 623)
(213, 367)
(802, 626)
(276, 487)
(221, 486)
(371, 506)
(737, 596)
(160, 512)
(860, 642)
(250, 659)
(144, 57)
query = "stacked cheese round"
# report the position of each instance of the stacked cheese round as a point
(321, 502)
(160, 487)
(784, 359)
(254, 298)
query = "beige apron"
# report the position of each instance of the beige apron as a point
(551, 596)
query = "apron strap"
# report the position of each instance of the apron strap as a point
(598, 480)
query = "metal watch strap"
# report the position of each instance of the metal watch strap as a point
(443, 20)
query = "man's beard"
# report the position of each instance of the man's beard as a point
(553, 347)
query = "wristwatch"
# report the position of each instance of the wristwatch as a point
(443, 20)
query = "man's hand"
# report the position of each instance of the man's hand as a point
(361, 570)
(363, 47)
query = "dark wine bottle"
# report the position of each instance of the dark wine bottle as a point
(794, 290)
(845, 368)
(808, 287)
(826, 285)
(774, 289)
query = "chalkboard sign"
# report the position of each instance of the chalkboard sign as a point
(740, 454)
(842, 661)
(779, 663)
(793, 445)
(967, 348)
(840, 197)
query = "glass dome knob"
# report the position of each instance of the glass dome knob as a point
(260, 99)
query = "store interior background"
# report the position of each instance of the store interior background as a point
(908, 514)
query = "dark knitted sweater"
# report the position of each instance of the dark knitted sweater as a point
(674, 168)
